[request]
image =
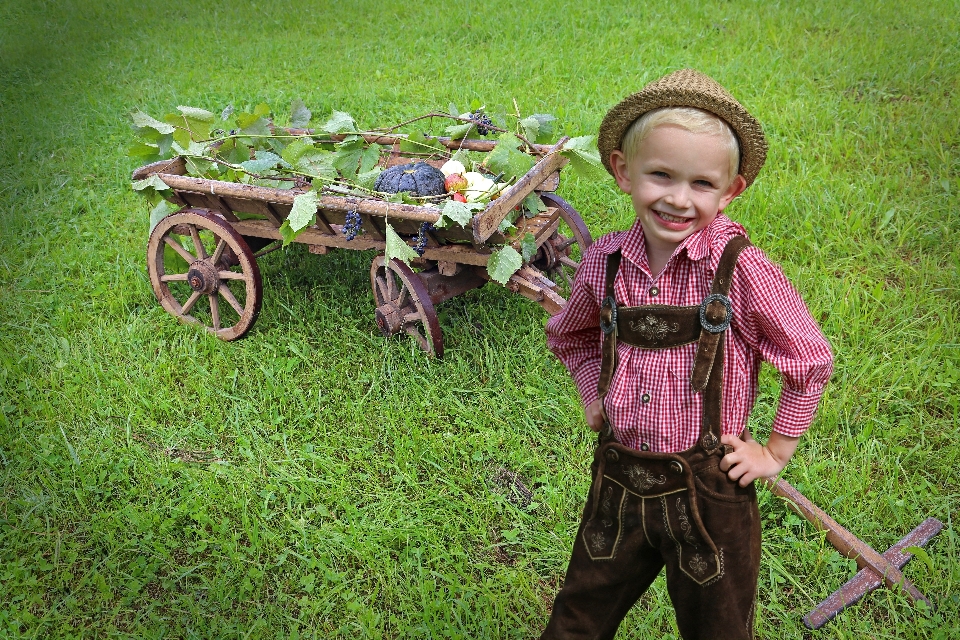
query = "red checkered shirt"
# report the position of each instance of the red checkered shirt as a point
(650, 400)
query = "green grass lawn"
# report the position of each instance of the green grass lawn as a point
(318, 480)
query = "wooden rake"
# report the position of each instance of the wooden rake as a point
(875, 569)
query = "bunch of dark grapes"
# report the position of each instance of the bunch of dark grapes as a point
(352, 226)
(421, 245)
(482, 121)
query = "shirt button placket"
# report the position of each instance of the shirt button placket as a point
(645, 399)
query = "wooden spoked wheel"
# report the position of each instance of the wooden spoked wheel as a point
(559, 257)
(203, 272)
(403, 304)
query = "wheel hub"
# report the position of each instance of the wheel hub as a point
(548, 258)
(389, 319)
(203, 277)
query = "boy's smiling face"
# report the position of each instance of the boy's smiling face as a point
(678, 181)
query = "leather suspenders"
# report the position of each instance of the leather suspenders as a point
(665, 327)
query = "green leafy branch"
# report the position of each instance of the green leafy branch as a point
(337, 157)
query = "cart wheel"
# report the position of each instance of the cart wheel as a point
(560, 256)
(403, 304)
(196, 262)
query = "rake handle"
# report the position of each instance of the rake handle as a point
(844, 541)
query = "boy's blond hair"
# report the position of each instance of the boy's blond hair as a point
(688, 118)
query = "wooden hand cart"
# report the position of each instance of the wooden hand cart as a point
(202, 259)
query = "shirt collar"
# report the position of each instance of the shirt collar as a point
(697, 245)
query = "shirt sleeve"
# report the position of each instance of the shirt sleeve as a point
(775, 322)
(574, 335)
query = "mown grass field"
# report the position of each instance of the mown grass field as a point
(316, 480)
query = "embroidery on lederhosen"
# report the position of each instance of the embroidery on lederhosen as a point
(602, 534)
(641, 478)
(606, 507)
(597, 541)
(653, 328)
(697, 567)
(687, 529)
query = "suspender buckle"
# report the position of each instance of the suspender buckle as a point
(608, 315)
(706, 324)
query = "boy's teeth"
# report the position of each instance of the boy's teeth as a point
(670, 218)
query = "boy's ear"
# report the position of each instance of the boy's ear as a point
(618, 162)
(736, 187)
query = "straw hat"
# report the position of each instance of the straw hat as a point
(686, 88)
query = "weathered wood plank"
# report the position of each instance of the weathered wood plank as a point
(461, 253)
(284, 198)
(486, 222)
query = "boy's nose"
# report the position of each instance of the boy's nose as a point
(679, 196)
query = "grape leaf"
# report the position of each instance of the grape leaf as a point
(187, 130)
(507, 159)
(286, 233)
(161, 211)
(307, 158)
(164, 142)
(503, 264)
(233, 151)
(397, 248)
(584, 157)
(193, 113)
(299, 114)
(369, 178)
(458, 131)
(534, 204)
(545, 128)
(144, 152)
(528, 246)
(152, 181)
(252, 124)
(531, 127)
(339, 122)
(347, 156)
(296, 150)
(182, 137)
(262, 110)
(418, 142)
(277, 145)
(370, 158)
(302, 214)
(142, 120)
(262, 161)
(452, 109)
(198, 167)
(459, 212)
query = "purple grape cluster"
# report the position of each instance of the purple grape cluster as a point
(352, 226)
(421, 245)
(482, 121)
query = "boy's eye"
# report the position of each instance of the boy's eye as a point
(660, 174)
(704, 183)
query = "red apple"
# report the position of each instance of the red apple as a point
(455, 182)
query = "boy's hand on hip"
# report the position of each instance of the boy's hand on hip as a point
(595, 414)
(751, 460)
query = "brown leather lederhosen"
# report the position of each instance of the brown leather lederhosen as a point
(648, 510)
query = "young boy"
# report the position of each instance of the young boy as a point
(664, 333)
